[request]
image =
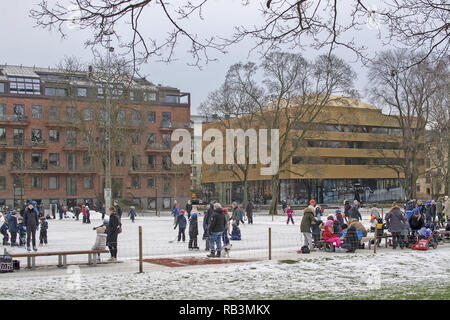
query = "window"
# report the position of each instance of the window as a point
(171, 99)
(58, 92)
(2, 135)
(53, 113)
(2, 183)
(2, 87)
(71, 185)
(18, 135)
(151, 203)
(25, 85)
(166, 185)
(36, 182)
(82, 92)
(121, 117)
(53, 135)
(86, 160)
(71, 138)
(150, 182)
(36, 160)
(2, 111)
(135, 182)
(166, 140)
(53, 159)
(71, 161)
(36, 135)
(166, 120)
(151, 161)
(418, 188)
(166, 203)
(2, 158)
(88, 114)
(19, 112)
(149, 96)
(151, 139)
(427, 178)
(103, 116)
(36, 112)
(135, 117)
(88, 182)
(151, 116)
(53, 183)
(71, 113)
(136, 137)
(120, 159)
(166, 162)
(136, 162)
(18, 160)
(131, 95)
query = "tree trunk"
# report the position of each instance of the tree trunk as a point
(244, 200)
(275, 186)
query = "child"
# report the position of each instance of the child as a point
(329, 235)
(100, 240)
(181, 223)
(236, 232)
(289, 213)
(193, 230)
(4, 231)
(43, 231)
(12, 225)
(337, 224)
(22, 232)
(132, 213)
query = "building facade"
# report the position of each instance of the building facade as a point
(52, 138)
(347, 153)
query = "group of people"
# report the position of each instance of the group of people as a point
(218, 225)
(346, 230)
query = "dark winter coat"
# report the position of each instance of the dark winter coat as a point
(193, 227)
(43, 227)
(236, 215)
(206, 221)
(352, 238)
(21, 229)
(30, 218)
(188, 208)
(353, 213)
(12, 223)
(119, 212)
(132, 213)
(249, 209)
(112, 229)
(307, 220)
(181, 222)
(218, 221)
(415, 222)
(347, 208)
(395, 220)
(4, 229)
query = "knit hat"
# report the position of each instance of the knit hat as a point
(313, 202)
(329, 223)
(225, 210)
(181, 211)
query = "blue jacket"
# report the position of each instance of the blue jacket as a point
(4, 229)
(181, 222)
(12, 223)
(132, 213)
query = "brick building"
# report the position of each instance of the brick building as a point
(50, 123)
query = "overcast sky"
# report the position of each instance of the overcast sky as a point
(24, 44)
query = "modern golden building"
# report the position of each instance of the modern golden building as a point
(348, 152)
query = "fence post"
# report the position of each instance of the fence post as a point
(140, 251)
(270, 243)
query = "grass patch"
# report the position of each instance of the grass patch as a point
(288, 261)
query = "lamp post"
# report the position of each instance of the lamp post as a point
(107, 190)
(14, 196)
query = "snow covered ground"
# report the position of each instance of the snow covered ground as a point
(287, 276)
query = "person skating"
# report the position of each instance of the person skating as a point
(235, 215)
(181, 224)
(83, 211)
(43, 232)
(22, 231)
(193, 229)
(289, 213)
(206, 221)
(249, 210)
(118, 210)
(132, 214)
(112, 232)
(4, 231)
(216, 229)
(12, 225)
(88, 214)
(31, 222)
(189, 208)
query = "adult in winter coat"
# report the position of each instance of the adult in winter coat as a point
(216, 228)
(54, 208)
(249, 210)
(189, 208)
(354, 213)
(351, 241)
(193, 230)
(305, 227)
(416, 220)
(13, 229)
(206, 221)
(112, 233)
(235, 215)
(439, 212)
(181, 224)
(88, 214)
(118, 210)
(347, 208)
(132, 213)
(396, 224)
(31, 222)
(358, 225)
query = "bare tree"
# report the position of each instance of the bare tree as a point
(321, 24)
(409, 93)
(290, 98)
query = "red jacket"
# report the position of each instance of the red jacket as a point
(328, 235)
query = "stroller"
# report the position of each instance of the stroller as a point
(430, 235)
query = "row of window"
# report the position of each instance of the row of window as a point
(349, 161)
(347, 128)
(71, 137)
(54, 183)
(32, 86)
(71, 161)
(352, 144)
(87, 114)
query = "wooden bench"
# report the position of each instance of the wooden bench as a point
(62, 256)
